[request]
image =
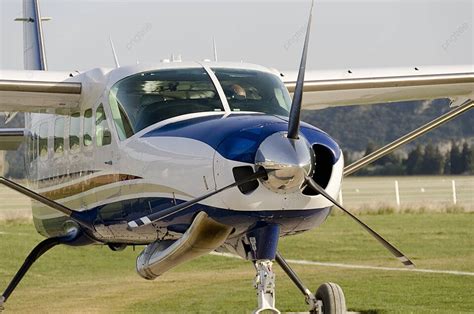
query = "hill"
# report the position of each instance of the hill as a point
(354, 127)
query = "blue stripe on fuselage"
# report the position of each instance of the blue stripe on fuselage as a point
(291, 221)
(238, 136)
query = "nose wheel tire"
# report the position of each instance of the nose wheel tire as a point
(332, 297)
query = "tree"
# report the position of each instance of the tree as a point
(466, 158)
(413, 161)
(432, 162)
(390, 159)
(347, 159)
(471, 168)
(370, 148)
(447, 164)
(455, 159)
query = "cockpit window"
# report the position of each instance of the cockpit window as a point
(250, 90)
(144, 99)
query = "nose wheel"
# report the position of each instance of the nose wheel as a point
(332, 299)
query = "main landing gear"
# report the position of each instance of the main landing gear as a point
(329, 298)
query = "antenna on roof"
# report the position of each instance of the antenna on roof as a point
(215, 48)
(117, 65)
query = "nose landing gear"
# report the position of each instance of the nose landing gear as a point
(265, 285)
(329, 298)
(262, 251)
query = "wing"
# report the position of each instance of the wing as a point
(38, 91)
(370, 86)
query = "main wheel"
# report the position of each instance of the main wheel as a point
(332, 297)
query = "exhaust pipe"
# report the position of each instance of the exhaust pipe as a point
(203, 236)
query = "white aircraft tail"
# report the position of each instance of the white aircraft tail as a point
(33, 40)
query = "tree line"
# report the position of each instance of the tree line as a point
(423, 160)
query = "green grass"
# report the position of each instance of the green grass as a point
(95, 279)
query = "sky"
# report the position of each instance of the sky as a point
(345, 33)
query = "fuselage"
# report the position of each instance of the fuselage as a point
(148, 137)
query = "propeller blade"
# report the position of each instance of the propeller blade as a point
(295, 111)
(399, 255)
(146, 220)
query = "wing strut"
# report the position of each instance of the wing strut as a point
(74, 215)
(387, 149)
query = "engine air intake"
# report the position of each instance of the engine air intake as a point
(322, 168)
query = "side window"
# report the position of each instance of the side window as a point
(119, 116)
(102, 132)
(88, 127)
(43, 141)
(75, 132)
(59, 137)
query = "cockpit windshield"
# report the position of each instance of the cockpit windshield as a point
(147, 98)
(250, 90)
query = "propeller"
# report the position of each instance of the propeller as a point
(295, 111)
(293, 130)
(146, 220)
(397, 253)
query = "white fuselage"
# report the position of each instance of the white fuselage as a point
(71, 161)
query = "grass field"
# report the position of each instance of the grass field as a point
(95, 279)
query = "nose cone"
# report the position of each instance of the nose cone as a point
(287, 161)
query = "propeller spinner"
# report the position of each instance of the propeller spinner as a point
(287, 162)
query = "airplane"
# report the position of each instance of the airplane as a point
(188, 158)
